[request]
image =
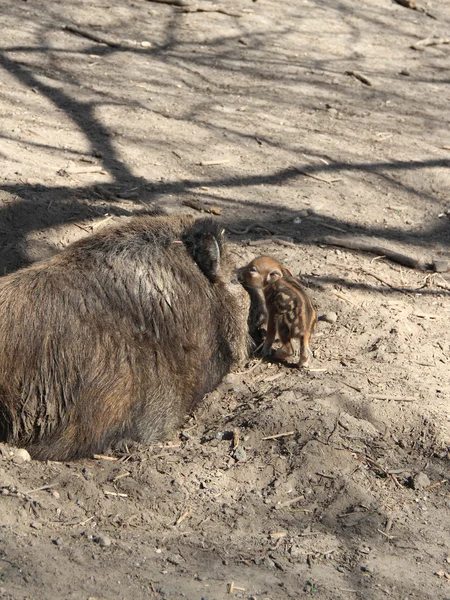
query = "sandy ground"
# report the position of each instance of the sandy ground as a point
(331, 483)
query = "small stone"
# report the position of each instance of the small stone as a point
(420, 481)
(21, 455)
(56, 494)
(329, 317)
(58, 541)
(441, 266)
(231, 379)
(240, 454)
(146, 44)
(88, 475)
(405, 72)
(36, 525)
(103, 540)
(367, 568)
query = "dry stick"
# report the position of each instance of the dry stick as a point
(102, 222)
(306, 174)
(44, 487)
(400, 399)
(173, 2)
(430, 42)
(359, 245)
(184, 516)
(288, 502)
(103, 457)
(251, 228)
(99, 39)
(210, 163)
(108, 493)
(393, 287)
(332, 227)
(282, 241)
(279, 435)
(218, 9)
(360, 77)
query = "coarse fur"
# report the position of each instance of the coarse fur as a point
(254, 277)
(117, 337)
(292, 315)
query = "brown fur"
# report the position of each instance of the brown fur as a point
(254, 277)
(292, 315)
(117, 337)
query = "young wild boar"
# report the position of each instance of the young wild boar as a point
(117, 337)
(254, 277)
(292, 315)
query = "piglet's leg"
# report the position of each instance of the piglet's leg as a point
(305, 351)
(284, 332)
(271, 333)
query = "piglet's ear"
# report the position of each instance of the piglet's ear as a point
(204, 243)
(286, 272)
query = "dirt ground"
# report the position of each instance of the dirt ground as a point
(331, 483)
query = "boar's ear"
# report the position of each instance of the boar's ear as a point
(286, 272)
(204, 242)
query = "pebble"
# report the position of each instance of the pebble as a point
(58, 541)
(103, 540)
(367, 568)
(36, 525)
(421, 481)
(329, 317)
(240, 454)
(21, 455)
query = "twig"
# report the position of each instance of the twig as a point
(102, 222)
(342, 297)
(121, 476)
(332, 227)
(361, 246)
(250, 369)
(360, 77)
(288, 502)
(44, 487)
(399, 399)
(210, 163)
(182, 517)
(437, 484)
(235, 438)
(81, 227)
(232, 588)
(173, 2)
(273, 377)
(279, 435)
(381, 280)
(430, 42)
(79, 170)
(306, 174)
(108, 493)
(103, 457)
(251, 228)
(201, 8)
(281, 240)
(98, 38)
(389, 537)
(326, 476)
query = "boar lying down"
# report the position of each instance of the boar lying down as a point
(118, 337)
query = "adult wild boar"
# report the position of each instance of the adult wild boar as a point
(118, 336)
